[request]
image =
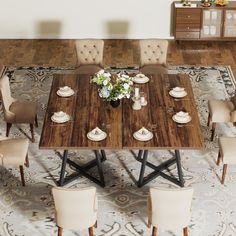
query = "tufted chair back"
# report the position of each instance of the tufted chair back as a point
(90, 51)
(153, 51)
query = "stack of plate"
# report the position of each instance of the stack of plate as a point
(178, 92)
(60, 117)
(182, 117)
(143, 135)
(140, 79)
(96, 135)
(65, 91)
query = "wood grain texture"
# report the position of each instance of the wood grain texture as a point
(88, 110)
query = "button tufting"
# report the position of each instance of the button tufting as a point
(81, 52)
(85, 46)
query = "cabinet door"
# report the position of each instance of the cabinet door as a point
(211, 23)
(230, 23)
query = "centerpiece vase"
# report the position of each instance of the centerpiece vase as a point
(115, 103)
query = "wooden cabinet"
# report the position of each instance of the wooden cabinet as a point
(205, 23)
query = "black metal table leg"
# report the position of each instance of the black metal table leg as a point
(179, 168)
(63, 168)
(144, 161)
(99, 165)
(103, 155)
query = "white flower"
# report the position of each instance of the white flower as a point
(126, 86)
(106, 74)
(125, 76)
(100, 72)
(104, 92)
(128, 95)
(105, 82)
(120, 96)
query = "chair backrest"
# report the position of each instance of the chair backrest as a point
(6, 93)
(90, 51)
(171, 208)
(153, 51)
(75, 208)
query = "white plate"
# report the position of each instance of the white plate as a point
(59, 121)
(177, 95)
(143, 138)
(97, 138)
(188, 119)
(67, 94)
(140, 80)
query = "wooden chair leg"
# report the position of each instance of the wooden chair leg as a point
(224, 173)
(185, 231)
(149, 223)
(218, 159)
(8, 129)
(209, 120)
(36, 121)
(59, 231)
(213, 131)
(22, 175)
(154, 231)
(91, 231)
(27, 160)
(32, 132)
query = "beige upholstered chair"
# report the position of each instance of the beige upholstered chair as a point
(227, 153)
(169, 209)
(90, 55)
(13, 153)
(76, 209)
(17, 111)
(221, 111)
(153, 55)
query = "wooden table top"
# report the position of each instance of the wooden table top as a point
(88, 110)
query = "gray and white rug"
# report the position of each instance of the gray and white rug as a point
(122, 206)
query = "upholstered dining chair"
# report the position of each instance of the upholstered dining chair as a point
(169, 209)
(227, 152)
(221, 111)
(153, 55)
(14, 153)
(90, 55)
(76, 209)
(16, 111)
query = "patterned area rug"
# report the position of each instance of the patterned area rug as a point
(122, 206)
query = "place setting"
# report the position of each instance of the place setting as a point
(65, 91)
(182, 117)
(143, 135)
(178, 92)
(60, 117)
(140, 79)
(96, 135)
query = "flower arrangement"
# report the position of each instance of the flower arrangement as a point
(113, 88)
(221, 2)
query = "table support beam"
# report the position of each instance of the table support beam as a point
(158, 170)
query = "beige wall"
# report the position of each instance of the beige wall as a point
(85, 18)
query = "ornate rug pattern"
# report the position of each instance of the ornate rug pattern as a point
(122, 206)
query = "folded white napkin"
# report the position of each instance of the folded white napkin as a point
(143, 131)
(182, 114)
(178, 89)
(140, 75)
(65, 89)
(96, 131)
(59, 114)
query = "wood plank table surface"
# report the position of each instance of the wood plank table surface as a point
(87, 111)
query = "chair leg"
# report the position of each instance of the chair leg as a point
(154, 231)
(8, 129)
(91, 231)
(27, 160)
(36, 121)
(96, 224)
(218, 159)
(213, 131)
(59, 231)
(185, 231)
(32, 132)
(224, 173)
(209, 120)
(22, 175)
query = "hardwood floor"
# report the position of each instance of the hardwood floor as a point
(117, 52)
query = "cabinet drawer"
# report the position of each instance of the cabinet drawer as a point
(187, 35)
(188, 18)
(188, 11)
(188, 27)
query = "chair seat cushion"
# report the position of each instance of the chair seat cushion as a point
(24, 111)
(228, 149)
(153, 69)
(220, 110)
(13, 152)
(88, 69)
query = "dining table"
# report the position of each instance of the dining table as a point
(87, 110)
